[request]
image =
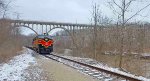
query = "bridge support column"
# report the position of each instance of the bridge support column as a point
(42, 29)
(32, 26)
(46, 29)
(73, 30)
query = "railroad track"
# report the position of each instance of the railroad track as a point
(93, 71)
(99, 73)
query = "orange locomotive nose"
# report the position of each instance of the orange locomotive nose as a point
(46, 44)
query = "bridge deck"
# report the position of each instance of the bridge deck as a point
(51, 23)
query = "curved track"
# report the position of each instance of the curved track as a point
(99, 73)
(96, 72)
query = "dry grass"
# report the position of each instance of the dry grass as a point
(131, 64)
(9, 43)
(136, 40)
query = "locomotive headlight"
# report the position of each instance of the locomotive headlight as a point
(46, 39)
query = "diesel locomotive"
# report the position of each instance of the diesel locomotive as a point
(43, 44)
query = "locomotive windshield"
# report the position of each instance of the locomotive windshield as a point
(44, 36)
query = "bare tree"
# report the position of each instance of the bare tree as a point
(95, 16)
(99, 22)
(6, 8)
(123, 7)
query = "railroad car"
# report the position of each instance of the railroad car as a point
(43, 44)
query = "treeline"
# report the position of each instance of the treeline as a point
(10, 42)
(118, 41)
(9, 36)
(108, 45)
(136, 39)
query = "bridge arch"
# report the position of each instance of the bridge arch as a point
(24, 26)
(72, 36)
(60, 28)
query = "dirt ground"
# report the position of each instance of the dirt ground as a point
(60, 72)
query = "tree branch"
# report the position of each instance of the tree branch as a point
(112, 7)
(137, 13)
(6, 8)
(117, 4)
(2, 4)
(128, 4)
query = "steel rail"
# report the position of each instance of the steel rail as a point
(97, 68)
(93, 67)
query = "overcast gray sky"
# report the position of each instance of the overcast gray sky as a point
(71, 11)
(57, 10)
(66, 10)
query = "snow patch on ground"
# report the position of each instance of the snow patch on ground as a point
(104, 66)
(14, 69)
(116, 70)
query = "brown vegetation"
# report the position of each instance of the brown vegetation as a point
(119, 44)
(108, 48)
(10, 38)
(9, 41)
